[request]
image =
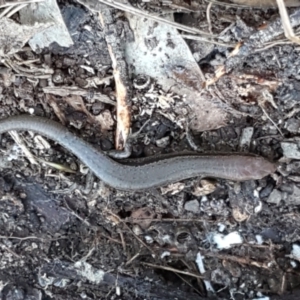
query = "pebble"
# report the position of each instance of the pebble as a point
(290, 150)
(246, 137)
(295, 197)
(292, 125)
(275, 197)
(163, 142)
(192, 206)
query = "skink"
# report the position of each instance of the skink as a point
(143, 175)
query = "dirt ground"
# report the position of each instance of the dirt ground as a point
(67, 235)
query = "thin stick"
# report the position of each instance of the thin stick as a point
(132, 259)
(232, 4)
(184, 280)
(286, 24)
(171, 220)
(30, 237)
(129, 229)
(208, 17)
(266, 114)
(172, 270)
(203, 39)
(273, 45)
(21, 144)
(16, 9)
(240, 260)
(141, 13)
(6, 11)
(20, 2)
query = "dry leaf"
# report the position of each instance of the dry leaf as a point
(239, 215)
(173, 188)
(143, 216)
(105, 120)
(206, 187)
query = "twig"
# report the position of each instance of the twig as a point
(186, 282)
(123, 241)
(84, 258)
(270, 45)
(129, 229)
(110, 238)
(16, 9)
(200, 264)
(171, 220)
(227, 4)
(172, 270)
(6, 11)
(30, 237)
(132, 259)
(267, 115)
(94, 5)
(263, 246)
(282, 286)
(190, 139)
(203, 39)
(275, 136)
(241, 260)
(20, 143)
(108, 21)
(20, 2)
(76, 215)
(255, 41)
(12, 252)
(74, 90)
(286, 24)
(208, 17)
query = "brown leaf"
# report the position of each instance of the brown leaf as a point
(143, 216)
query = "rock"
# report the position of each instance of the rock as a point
(292, 125)
(275, 197)
(246, 137)
(163, 142)
(192, 206)
(295, 197)
(290, 150)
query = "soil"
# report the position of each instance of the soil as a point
(67, 235)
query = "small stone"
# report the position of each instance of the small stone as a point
(292, 125)
(266, 191)
(97, 107)
(275, 197)
(192, 206)
(296, 251)
(246, 137)
(58, 76)
(290, 150)
(23, 195)
(137, 230)
(163, 142)
(295, 197)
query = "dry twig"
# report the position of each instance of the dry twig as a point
(94, 5)
(255, 41)
(7, 4)
(129, 229)
(208, 17)
(21, 144)
(172, 270)
(286, 24)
